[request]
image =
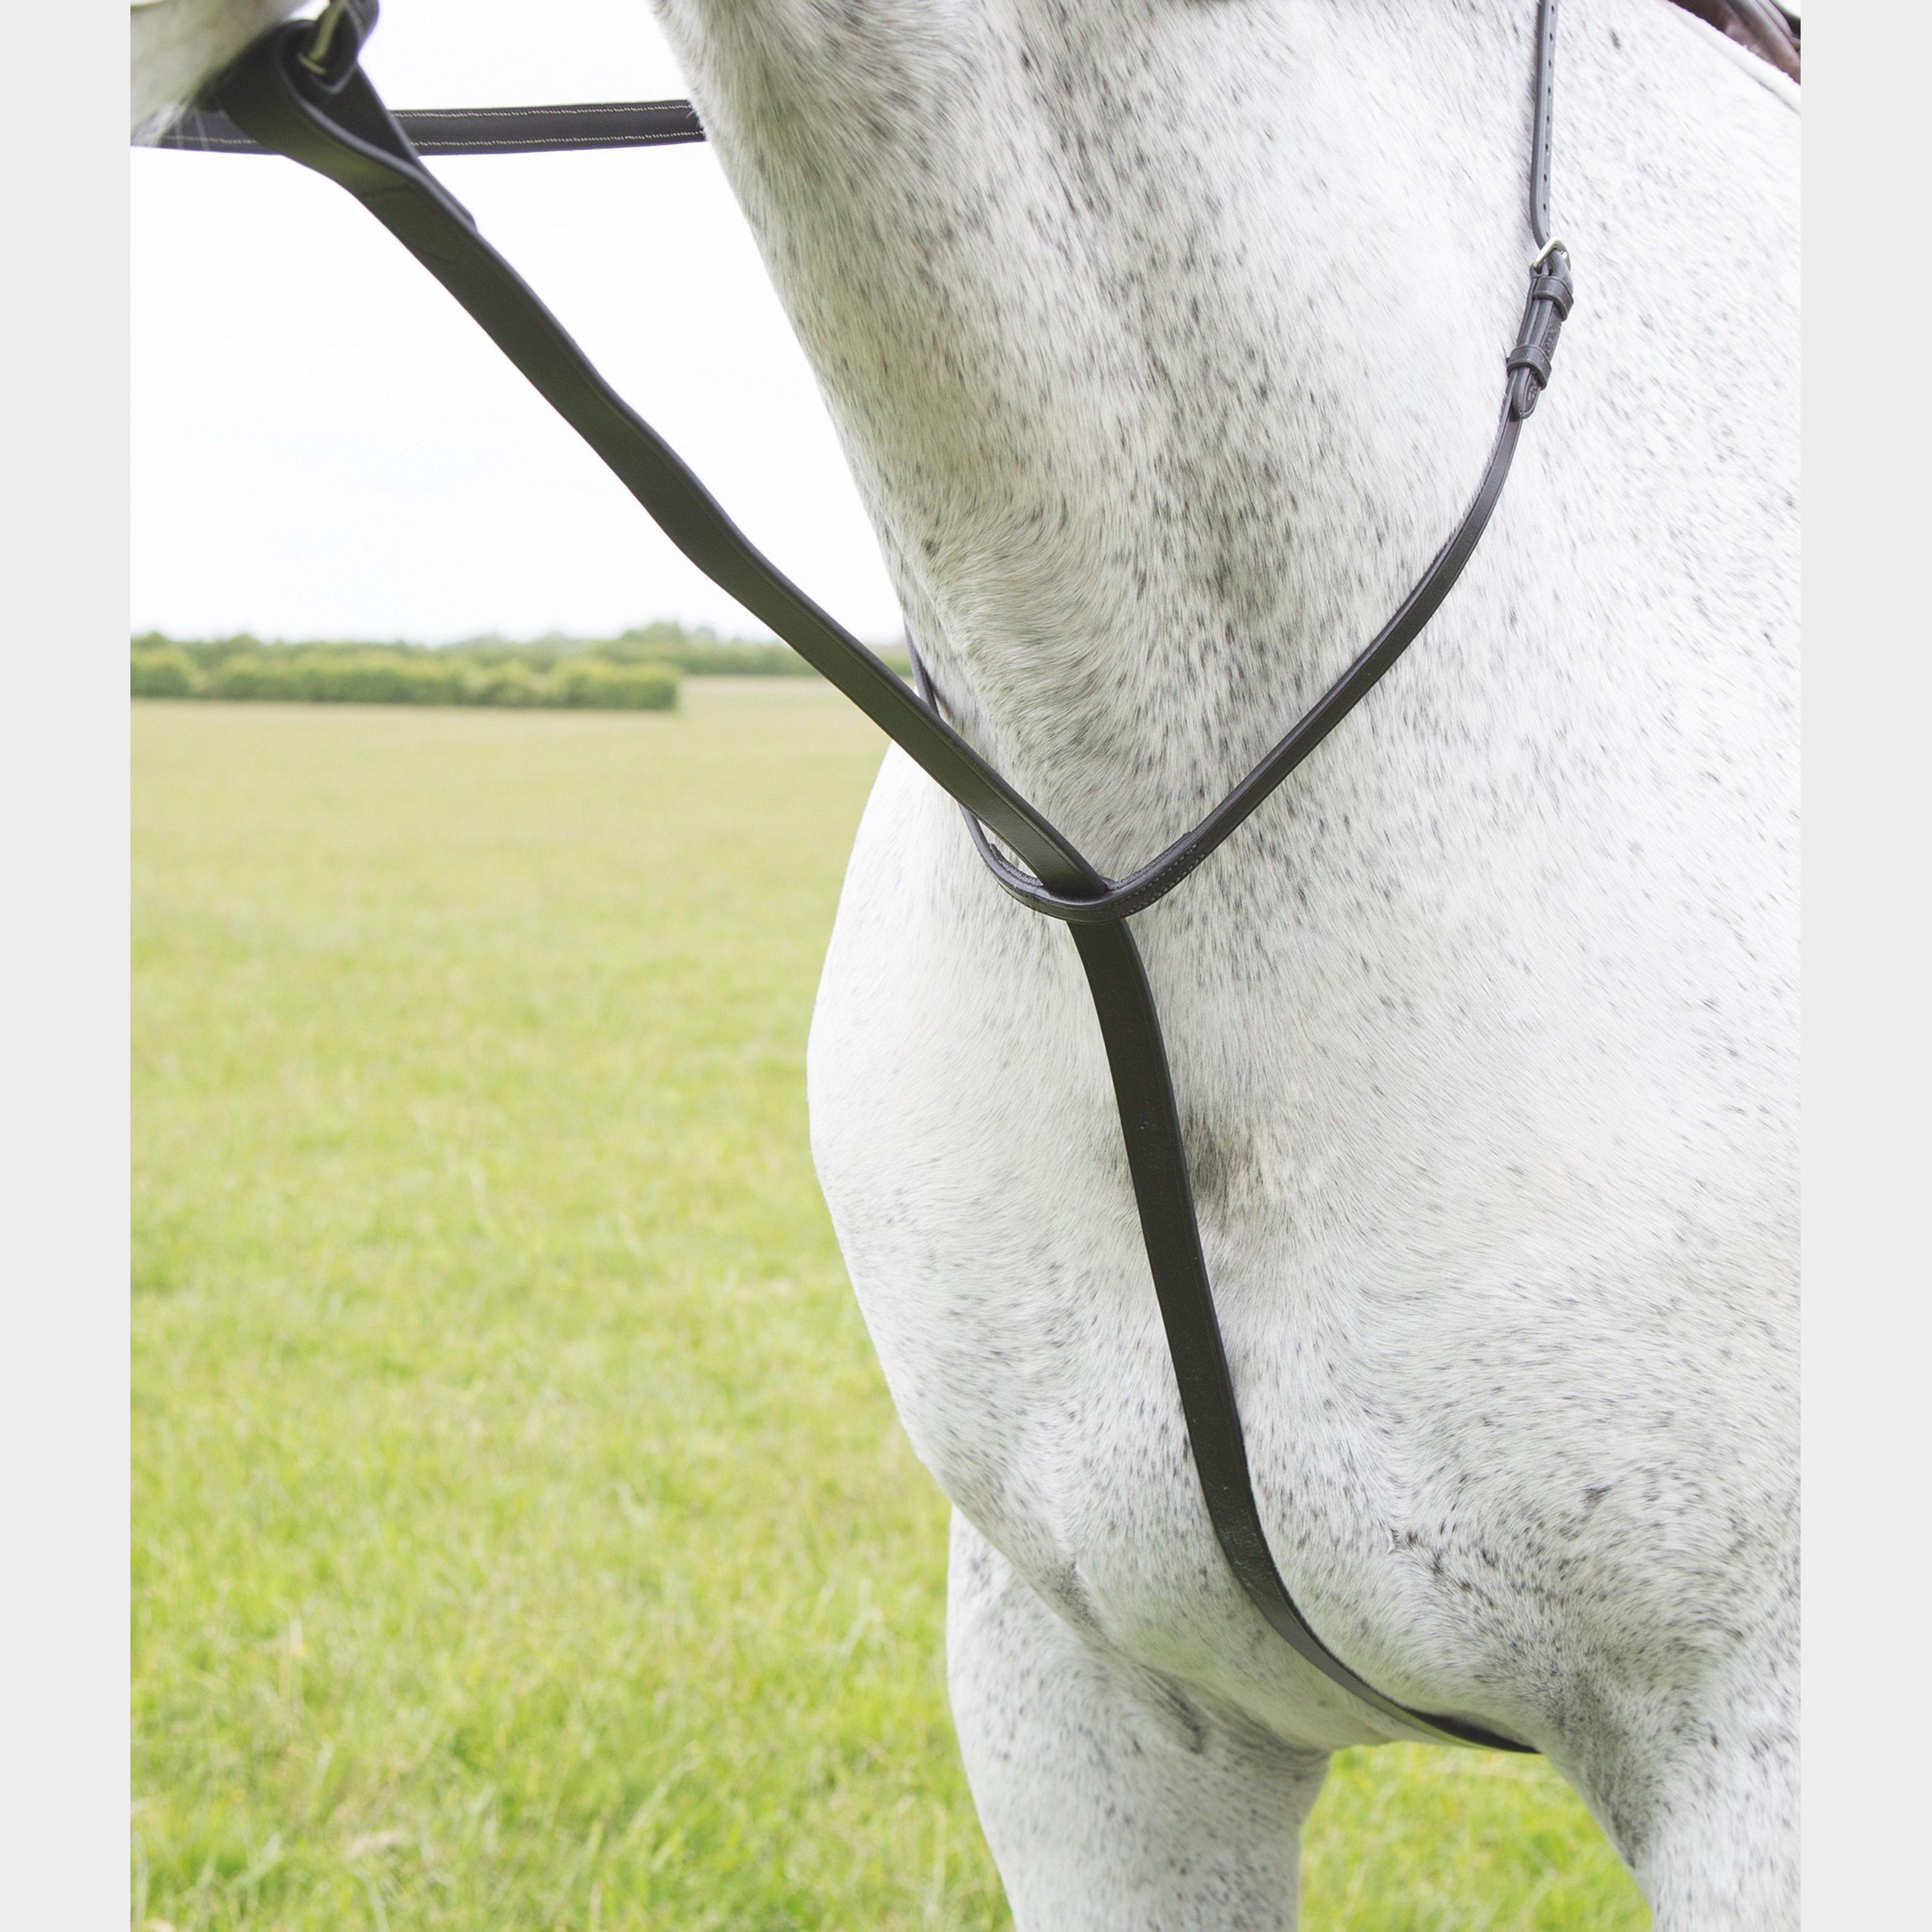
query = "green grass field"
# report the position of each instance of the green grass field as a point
(522, 1535)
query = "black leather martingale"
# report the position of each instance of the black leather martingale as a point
(280, 98)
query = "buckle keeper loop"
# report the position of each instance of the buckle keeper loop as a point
(1552, 293)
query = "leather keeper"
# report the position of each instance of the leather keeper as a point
(1551, 294)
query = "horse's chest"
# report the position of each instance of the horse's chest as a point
(1008, 1297)
(966, 1138)
(1030, 1370)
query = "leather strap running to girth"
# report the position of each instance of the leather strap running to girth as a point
(324, 113)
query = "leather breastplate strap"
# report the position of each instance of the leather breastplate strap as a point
(326, 115)
(482, 130)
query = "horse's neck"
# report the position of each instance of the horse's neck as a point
(174, 45)
(1163, 337)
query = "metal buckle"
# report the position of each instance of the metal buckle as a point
(1555, 245)
(330, 51)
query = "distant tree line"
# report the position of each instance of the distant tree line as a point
(638, 669)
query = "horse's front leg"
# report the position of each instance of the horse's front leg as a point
(1112, 1802)
(1707, 1819)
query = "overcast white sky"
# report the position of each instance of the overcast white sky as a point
(286, 353)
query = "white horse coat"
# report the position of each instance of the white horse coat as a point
(1166, 338)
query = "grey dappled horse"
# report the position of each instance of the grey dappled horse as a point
(1165, 337)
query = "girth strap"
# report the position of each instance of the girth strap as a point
(326, 115)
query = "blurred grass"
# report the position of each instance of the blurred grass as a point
(523, 1537)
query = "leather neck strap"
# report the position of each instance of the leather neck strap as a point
(326, 115)
(481, 130)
